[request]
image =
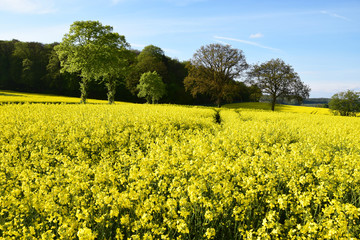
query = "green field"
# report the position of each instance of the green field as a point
(142, 171)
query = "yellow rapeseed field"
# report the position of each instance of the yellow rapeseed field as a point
(130, 171)
(280, 108)
(20, 97)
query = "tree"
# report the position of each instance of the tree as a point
(299, 92)
(345, 103)
(58, 82)
(151, 87)
(116, 66)
(175, 82)
(213, 70)
(255, 93)
(150, 59)
(6, 67)
(152, 51)
(31, 58)
(95, 53)
(278, 80)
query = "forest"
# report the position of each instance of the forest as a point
(35, 67)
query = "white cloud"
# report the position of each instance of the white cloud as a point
(256, 35)
(247, 42)
(27, 6)
(335, 15)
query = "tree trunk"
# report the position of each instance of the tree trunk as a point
(218, 102)
(84, 85)
(273, 102)
(111, 87)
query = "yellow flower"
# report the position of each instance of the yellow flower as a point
(85, 234)
(210, 233)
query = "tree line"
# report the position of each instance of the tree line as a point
(35, 67)
(93, 61)
(346, 103)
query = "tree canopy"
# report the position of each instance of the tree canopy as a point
(278, 79)
(94, 52)
(37, 67)
(150, 59)
(345, 103)
(213, 70)
(151, 87)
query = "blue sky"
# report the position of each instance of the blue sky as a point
(319, 38)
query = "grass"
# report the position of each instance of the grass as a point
(279, 108)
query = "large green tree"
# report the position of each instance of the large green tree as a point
(95, 52)
(278, 79)
(213, 70)
(345, 103)
(115, 68)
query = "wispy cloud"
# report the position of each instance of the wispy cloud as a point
(27, 6)
(256, 35)
(335, 15)
(247, 42)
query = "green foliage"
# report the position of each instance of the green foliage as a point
(58, 82)
(278, 79)
(150, 59)
(93, 51)
(172, 72)
(255, 93)
(213, 70)
(345, 103)
(152, 51)
(30, 59)
(151, 87)
(176, 73)
(44, 74)
(34, 67)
